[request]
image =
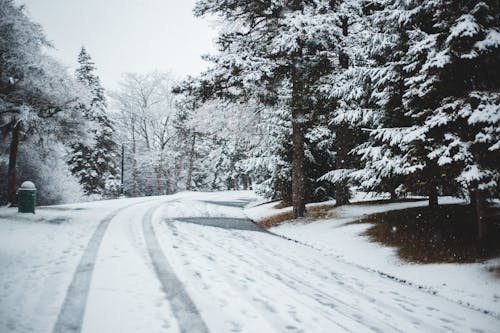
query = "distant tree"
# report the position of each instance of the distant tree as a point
(95, 164)
(145, 110)
(215, 137)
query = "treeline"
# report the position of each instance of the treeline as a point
(391, 96)
(305, 101)
(64, 133)
(40, 110)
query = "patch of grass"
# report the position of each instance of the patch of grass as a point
(385, 201)
(446, 234)
(315, 212)
(282, 204)
(495, 270)
(274, 220)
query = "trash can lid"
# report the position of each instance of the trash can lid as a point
(28, 185)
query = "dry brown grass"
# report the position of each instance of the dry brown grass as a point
(495, 270)
(316, 212)
(446, 234)
(282, 204)
(385, 201)
(274, 220)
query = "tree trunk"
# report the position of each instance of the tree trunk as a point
(341, 188)
(159, 181)
(123, 169)
(479, 206)
(134, 168)
(394, 196)
(433, 197)
(472, 199)
(244, 182)
(191, 162)
(342, 133)
(11, 174)
(298, 158)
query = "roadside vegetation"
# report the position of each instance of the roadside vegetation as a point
(442, 235)
(446, 234)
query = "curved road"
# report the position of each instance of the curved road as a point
(194, 263)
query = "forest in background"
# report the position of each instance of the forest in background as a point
(304, 101)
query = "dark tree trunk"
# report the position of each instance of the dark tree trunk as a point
(341, 187)
(11, 174)
(159, 181)
(472, 199)
(342, 134)
(433, 197)
(298, 177)
(394, 196)
(123, 169)
(134, 190)
(191, 162)
(298, 159)
(479, 206)
(244, 182)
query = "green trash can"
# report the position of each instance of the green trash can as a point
(26, 198)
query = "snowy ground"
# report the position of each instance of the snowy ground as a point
(470, 284)
(192, 262)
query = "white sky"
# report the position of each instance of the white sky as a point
(126, 35)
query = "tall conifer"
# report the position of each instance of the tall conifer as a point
(94, 164)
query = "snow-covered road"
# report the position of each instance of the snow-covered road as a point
(192, 262)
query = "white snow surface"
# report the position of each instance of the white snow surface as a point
(38, 255)
(238, 280)
(469, 284)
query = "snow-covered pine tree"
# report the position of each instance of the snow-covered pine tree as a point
(450, 96)
(95, 164)
(383, 158)
(454, 95)
(271, 48)
(346, 90)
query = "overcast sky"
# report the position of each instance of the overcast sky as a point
(126, 35)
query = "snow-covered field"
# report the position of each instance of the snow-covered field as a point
(192, 262)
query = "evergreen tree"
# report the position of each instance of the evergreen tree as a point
(94, 164)
(275, 52)
(441, 99)
(345, 92)
(383, 156)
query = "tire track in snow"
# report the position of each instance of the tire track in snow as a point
(341, 308)
(188, 316)
(241, 252)
(325, 298)
(276, 323)
(402, 311)
(422, 288)
(383, 275)
(70, 317)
